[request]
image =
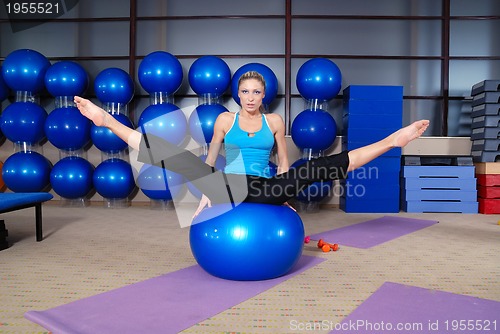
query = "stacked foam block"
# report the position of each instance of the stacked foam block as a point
(486, 121)
(488, 187)
(370, 114)
(439, 184)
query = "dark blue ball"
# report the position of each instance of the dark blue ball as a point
(24, 122)
(114, 85)
(220, 163)
(160, 71)
(66, 78)
(320, 79)
(113, 179)
(166, 121)
(71, 177)
(247, 243)
(26, 172)
(269, 77)
(317, 191)
(24, 70)
(67, 129)
(202, 121)
(105, 140)
(4, 89)
(314, 129)
(209, 75)
(158, 183)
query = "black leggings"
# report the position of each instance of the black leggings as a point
(220, 187)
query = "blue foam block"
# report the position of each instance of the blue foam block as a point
(373, 92)
(381, 167)
(440, 206)
(356, 120)
(439, 171)
(370, 191)
(440, 195)
(369, 206)
(392, 108)
(416, 183)
(367, 134)
(352, 145)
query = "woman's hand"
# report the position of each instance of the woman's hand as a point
(204, 202)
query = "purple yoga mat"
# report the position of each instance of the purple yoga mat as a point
(419, 310)
(373, 232)
(166, 304)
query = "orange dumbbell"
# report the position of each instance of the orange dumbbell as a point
(326, 247)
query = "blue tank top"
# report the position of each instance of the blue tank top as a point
(246, 154)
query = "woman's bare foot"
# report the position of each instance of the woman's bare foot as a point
(405, 135)
(97, 115)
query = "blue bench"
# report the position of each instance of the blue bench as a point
(16, 201)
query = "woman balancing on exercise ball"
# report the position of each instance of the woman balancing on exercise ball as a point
(248, 137)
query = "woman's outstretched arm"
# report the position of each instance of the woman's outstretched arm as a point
(101, 118)
(400, 138)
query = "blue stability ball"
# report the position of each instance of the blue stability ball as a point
(266, 72)
(71, 177)
(317, 191)
(4, 89)
(114, 85)
(66, 78)
(24, 70)
(24, 122)
(158, 183)
(209, 75)
(250, 242)
(220, 163)
(105, 140)
(160, 71)
(67, 129)
(166, 121)
(113, 178)
(320, 79)
(202, 121)
(314, 129)
(26, 172)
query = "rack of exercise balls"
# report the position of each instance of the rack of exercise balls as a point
(160, 74)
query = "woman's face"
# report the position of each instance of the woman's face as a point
(251, 93)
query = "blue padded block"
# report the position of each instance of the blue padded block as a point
(352, 145)
(439, 171)
(393, 108)
(415, 183)
(12, 200)
(373, 92)
(381, 167)
(367, 134)
(440, 206)
(355, 120)
(440, 195)
(369, 206)
(370, 191)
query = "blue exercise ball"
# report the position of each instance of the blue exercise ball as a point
(114, 85)
(24, 70)
(209, 75)
(158, 183)
(269, 77)
(220, 164)
(25, 172)
(105, 140)
(319, 79)
(66, 78)
(314, 129)
(113, 179)
(317, 191)
(4, 89)
(24, 122)
(67, 129)
(202, 121)
(164, 120)
(247, 243)
(160, 71)
(71, 177)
